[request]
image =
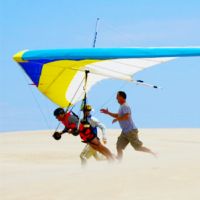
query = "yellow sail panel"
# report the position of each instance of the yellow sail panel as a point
(56, 77)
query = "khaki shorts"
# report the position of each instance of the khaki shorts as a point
(131, 137)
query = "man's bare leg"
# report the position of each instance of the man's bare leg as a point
(146, 150)
(96, 144)
(119, 154)
(99, 156)
(102, 149)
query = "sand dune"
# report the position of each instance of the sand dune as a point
(34, 166)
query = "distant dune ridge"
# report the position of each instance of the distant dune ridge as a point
(34, 166)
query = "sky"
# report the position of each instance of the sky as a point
(54, 24)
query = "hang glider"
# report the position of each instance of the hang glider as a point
(59, 74)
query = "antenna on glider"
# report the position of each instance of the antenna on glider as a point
(95, 33)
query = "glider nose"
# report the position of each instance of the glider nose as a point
(18, 57)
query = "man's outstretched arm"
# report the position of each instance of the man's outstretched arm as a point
(121, 118)
(106, 111)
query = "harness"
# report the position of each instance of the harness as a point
(87, 132)
(66, 123)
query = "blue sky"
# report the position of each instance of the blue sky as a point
(124, 23)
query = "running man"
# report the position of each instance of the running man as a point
(88, 134)
(129, 132)
(88, 151)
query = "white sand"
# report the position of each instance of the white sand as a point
(34, 166)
